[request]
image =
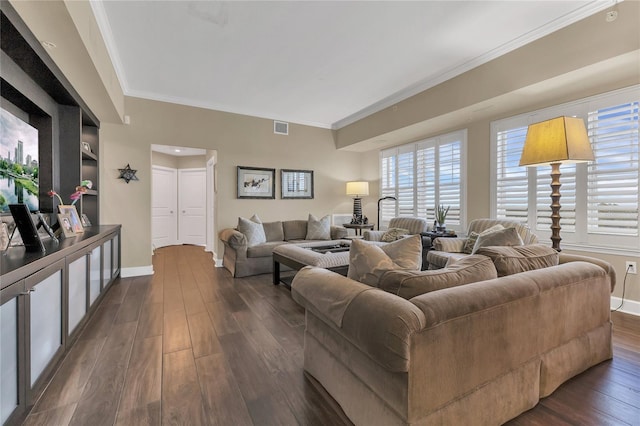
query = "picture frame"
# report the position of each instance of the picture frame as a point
(64, 220)
(86, 146)
(256, 182)
(84, 219)
(76, 224)
(296, 184)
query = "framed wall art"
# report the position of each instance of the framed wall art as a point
(296, 184)
(256, 182)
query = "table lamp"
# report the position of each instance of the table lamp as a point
(357, 190)
(553, 142)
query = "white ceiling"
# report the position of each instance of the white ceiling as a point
(318, 63)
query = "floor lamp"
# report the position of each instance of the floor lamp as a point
(553, 142)
(357, 190)
(382, 199)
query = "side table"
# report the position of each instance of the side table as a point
(358, 226)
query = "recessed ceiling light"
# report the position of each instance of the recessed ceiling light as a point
(48, 44)
(612, 15)
(177, 150)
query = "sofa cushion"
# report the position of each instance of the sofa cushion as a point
(473, 237)
(393, 234)
(367, 261)
(512, 260)
(252, 230)
(294, 229)
(318, 229)
(273, 231)
(408, 284)
(503, 237)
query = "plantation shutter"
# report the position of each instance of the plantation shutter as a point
(512, 183)
(406, 180)
(449, 179)
(387, 185)
(613, 177)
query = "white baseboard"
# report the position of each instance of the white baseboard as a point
(629, 307)
(136, 272)
(218, 263)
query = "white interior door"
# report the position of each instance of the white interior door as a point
(164, 218)
(192, 197)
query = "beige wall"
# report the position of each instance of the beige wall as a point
(238, 140)
(164, 160)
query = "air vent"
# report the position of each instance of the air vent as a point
(280, 128)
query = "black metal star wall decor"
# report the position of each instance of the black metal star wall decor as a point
(128, 174)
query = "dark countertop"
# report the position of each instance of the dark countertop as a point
(16, 263)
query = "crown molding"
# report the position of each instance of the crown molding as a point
(555, 25)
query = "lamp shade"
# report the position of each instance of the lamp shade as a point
(559, 140)
(357, 189)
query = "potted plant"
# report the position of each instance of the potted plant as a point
(441, 217)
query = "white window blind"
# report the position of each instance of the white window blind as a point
(613, 176)
(599, 199)
(422, 175)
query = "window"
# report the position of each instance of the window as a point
(422, 175)
(599, 199)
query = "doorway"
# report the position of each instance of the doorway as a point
(182, 196)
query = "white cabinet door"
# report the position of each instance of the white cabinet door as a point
(94, 275)
(192, 198)
(164, 218)
(77, 293)
(8, 358)
(45, 323)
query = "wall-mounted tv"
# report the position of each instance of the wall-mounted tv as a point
(19, 165)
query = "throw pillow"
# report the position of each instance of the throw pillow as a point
(408, 284)
(252, 230)
(393, 234)
(512, 260)
(319, 229)
(473, 237)
(503, 237)
(368, 261)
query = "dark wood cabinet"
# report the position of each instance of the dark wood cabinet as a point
(45, 300)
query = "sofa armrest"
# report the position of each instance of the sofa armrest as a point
(450, 245)
(378, 323)
(233, 238)
(566, 258)
(370, 235)
(339, 232)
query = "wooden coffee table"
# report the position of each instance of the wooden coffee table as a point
(321, 255)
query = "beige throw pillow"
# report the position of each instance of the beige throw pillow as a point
(319, 229)
(393, 234)
(473, 237)
(253, 230)
(503, 237)
(368, 262)
(512, 260)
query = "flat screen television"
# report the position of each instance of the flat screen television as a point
(19, 165)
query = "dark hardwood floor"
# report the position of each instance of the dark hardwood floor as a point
(190, 345)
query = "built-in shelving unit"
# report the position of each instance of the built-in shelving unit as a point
(47, 297)
(32, 82)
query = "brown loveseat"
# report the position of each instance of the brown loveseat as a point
(243, 260)
(479, 353)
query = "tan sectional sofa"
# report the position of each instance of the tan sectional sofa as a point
(479, 353)
(243, 260)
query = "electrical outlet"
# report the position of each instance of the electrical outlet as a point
(630, 267)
